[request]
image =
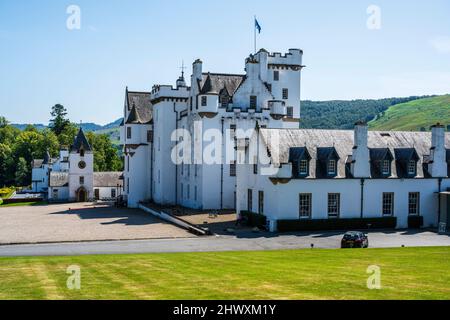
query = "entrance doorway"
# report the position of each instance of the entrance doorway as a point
(82, 195)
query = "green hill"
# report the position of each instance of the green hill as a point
(342, 114)
(417, 115)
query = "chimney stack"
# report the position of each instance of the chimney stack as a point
(197, 69)
(360, 157)
(438, 165)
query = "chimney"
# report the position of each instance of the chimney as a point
(360, 157)
(252, 68)
(197, 69)
(438, 165)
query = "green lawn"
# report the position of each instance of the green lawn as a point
(22, 204)
(407, 273)
(414, 115)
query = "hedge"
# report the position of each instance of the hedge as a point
(415, 222)
(336, 224)
(254, 219)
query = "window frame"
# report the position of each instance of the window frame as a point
(387, 204)
(303, 163)
(129, 135)
(285, 93)
(204, 101)
(385, 164)
(412, 165)
(233, 168)
(416, 204)
(305, 205)
(261, 202)
(334, 210)
(276, 75)
(249, 200)
(81, 180)
(150, 136)
(253, 102)
(290, 112)
(334, 166)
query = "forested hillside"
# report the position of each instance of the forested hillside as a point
(341, 114)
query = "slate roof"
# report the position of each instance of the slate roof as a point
(133, 117)
(37, 163)
(213, 83)
(81, 142)
(279, 141)
(108, 179)
(141, 102)
(59, 179)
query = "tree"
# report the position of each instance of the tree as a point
(6, 165)
(21, 178)
(106, 157)
(3, 122)
(59, 122)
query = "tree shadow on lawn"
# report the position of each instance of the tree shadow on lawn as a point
(128, 217)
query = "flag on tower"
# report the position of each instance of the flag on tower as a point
(257, 25)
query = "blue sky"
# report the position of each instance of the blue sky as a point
(138, 43)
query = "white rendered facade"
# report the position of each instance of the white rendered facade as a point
(371, 169)
(361, 192)
(71, 176)
(264, 95)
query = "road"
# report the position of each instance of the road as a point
(264, 241)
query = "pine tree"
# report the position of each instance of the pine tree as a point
(59, 122)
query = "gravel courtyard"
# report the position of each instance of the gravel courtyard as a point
(81, 222)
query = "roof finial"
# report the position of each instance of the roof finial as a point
(182, 68)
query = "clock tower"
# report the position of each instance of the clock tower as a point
(81, 170)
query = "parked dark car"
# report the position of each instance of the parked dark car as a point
(355, 239)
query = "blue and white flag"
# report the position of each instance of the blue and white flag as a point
(257, 26)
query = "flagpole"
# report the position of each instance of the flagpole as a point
(254, 30)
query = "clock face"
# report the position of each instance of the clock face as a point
(81, 164)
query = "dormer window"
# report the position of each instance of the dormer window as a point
(303, 167)
(81, 152)
(386, 167)
(412, 167)
(332, 167)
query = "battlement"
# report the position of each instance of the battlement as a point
(291, 58)
(168, 91)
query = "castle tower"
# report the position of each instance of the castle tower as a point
(81, 169)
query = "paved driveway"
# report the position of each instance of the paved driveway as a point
(80, 222)
(241, 242)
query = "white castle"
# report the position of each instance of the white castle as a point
(319, 174)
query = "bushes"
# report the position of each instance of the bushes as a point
(254, 219)
(1, 201)
(336, 224)
(415, 222)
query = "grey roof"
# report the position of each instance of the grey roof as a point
(81, 142)
(213, 83)
(108, 179)
(144, 108)
(133, 117)
(342, 140)
(380, 154)
(37, 163)
(59, 179)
